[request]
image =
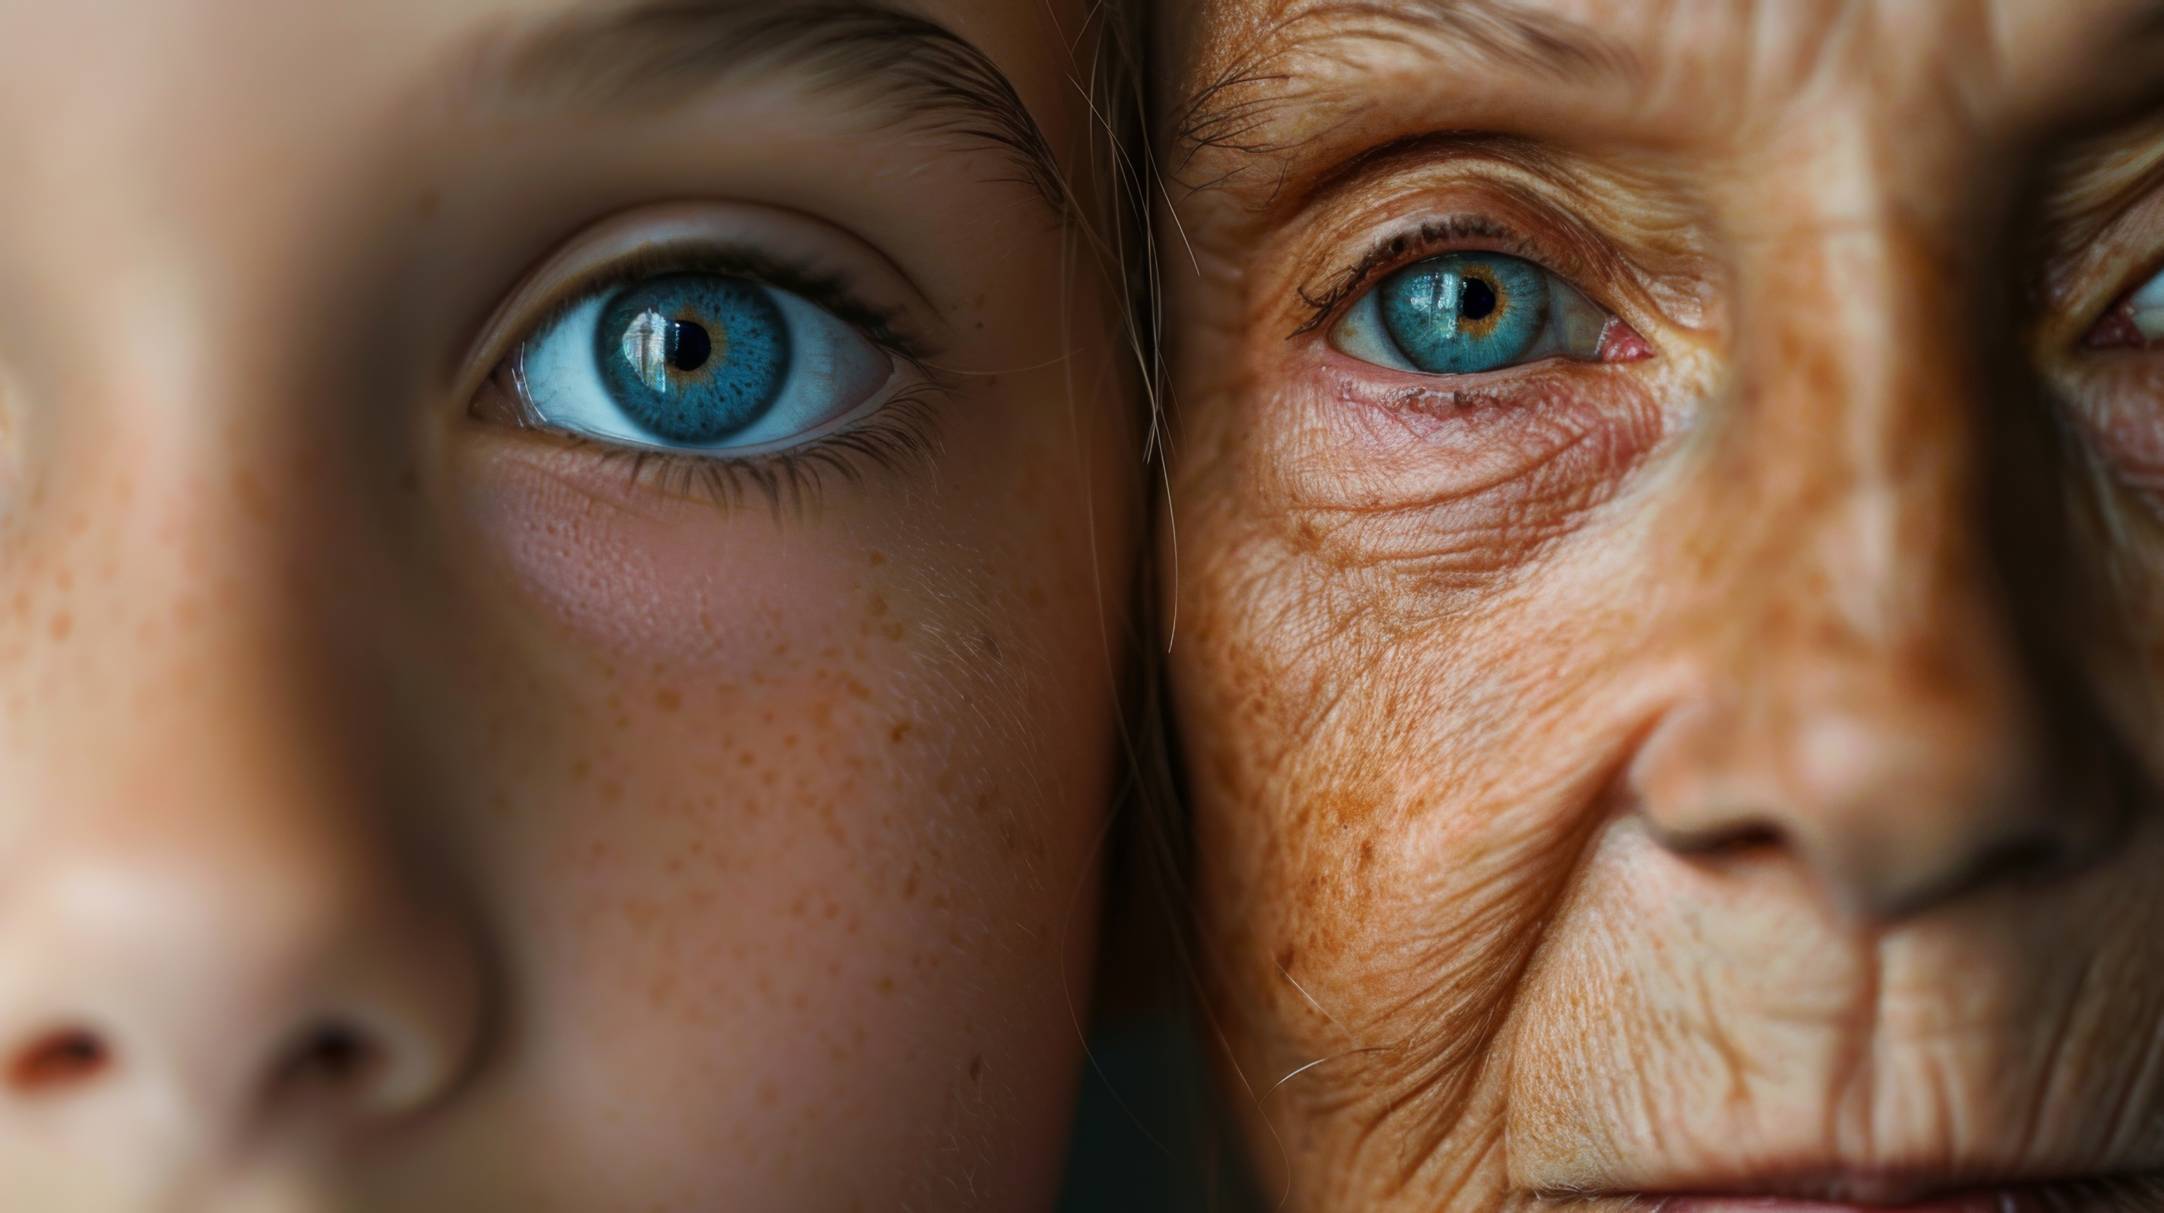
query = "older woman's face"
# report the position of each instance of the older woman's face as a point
(1669, 513)
(553, 566)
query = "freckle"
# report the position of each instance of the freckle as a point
(878, 558)
(1285, 957)
(409, 480)
(878, 604)
(909, 884)
(789, 742)
(611, 791)
(769, 1094)
(63, 623)
(976, 1067)
(430, 201)
(668, 700)
(899, 732)
(1035, 597)
(886, 985)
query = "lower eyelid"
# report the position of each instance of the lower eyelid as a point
(1424, 443)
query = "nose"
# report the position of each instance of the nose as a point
(1895, 793)
(228, 921)
(173, 998)
(1878, 695)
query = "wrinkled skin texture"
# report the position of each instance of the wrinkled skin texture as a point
(649, 851)
(1724, 771)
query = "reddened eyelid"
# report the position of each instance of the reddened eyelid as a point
(2137, 319)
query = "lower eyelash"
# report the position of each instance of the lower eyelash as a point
(899, 434)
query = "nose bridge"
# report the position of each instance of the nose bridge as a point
(211, 913)
(1862, 417)
(1870, 704)
(171, 624)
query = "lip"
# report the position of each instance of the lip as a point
(2072, 1195)
(2007, 1201)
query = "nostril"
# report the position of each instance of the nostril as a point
(56, 1060)
(1742, 837)
(332, 1055)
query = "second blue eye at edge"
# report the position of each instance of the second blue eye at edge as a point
(1462, 313)
(693, 358)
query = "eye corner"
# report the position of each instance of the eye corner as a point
(1621, 342)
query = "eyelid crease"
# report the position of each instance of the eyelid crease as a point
(829, 288)
(671, 235)
(1355, 171)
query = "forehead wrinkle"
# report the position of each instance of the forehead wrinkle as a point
(1292, 64)
(1229, 108)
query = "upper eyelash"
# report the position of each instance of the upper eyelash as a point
(790, 478)
(824, 286)
(1395, 249)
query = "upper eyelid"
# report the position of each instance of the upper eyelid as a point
(1408, 246)
(827, 290)
(587, 259)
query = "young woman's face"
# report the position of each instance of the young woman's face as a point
(1669, 567)
(554, 561)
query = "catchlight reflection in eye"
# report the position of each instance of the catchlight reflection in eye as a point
(698, 362)
(1463, 313)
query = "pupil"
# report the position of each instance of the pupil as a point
(1476, 299)
(688, 346)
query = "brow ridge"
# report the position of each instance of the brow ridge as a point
(1228, 111)
(659, 52)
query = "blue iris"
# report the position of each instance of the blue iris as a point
(1465, 312)
(693, 358)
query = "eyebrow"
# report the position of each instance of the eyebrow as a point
(905, 69)
(1226, 113)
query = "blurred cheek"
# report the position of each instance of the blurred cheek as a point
(781, 778)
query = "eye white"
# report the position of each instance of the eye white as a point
(2149, 308)
(834, 373)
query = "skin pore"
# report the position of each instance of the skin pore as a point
(408, 801)
(1710, 767)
